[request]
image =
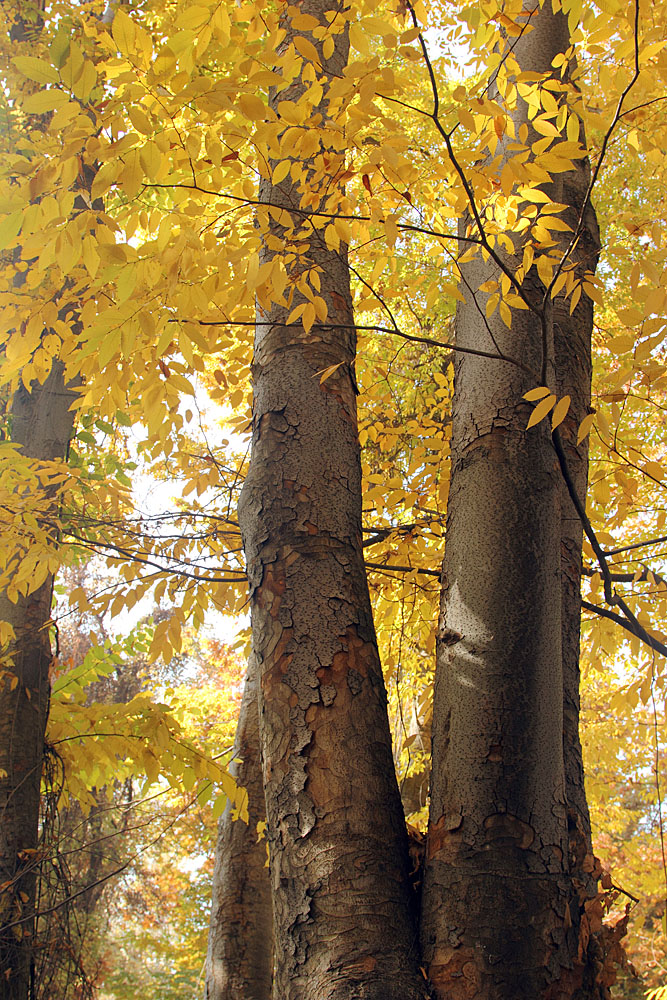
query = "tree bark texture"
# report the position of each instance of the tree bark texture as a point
(499, 893)
(41, 423)
(240, 944)
(343, 916)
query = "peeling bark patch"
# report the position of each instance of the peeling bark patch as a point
(351, 663)
(272, 588)
(504, 827)
(455, 975)
(278, 665)
(366, 964)
(445, 837)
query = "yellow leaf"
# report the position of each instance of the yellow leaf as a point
(534, 394)
(576, 295)
(123, 32)
(545, 269)
(86, 81)
(306, 49)
(331, 237)
(654, 469)
(193, 17)
(560, 411)
(585, 426)
(36, 69)
(281, 171)
(140, 120)
(545, 127)
(308, 317)
(328, 372)
(528, 257)
(44, 101)
(505, 314)
(181, 383)
(150, 158)
(541, 410)
(253, 272)
(10, 227)
(252, 107)
(358, 39)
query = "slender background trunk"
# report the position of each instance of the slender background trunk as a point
(343, 918)
(240, 945)
(41, 423)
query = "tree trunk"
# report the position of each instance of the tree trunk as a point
(41, 423)
(343, 919)
(499, 892)
(240, 946)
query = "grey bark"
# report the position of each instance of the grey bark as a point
(343, 919)
(240, 943)
(499, 919)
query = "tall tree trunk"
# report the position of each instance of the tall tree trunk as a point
(497, 919)
(41, 423)
(240, 942)
(343, 919)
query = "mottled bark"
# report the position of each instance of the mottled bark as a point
(240, 942)
(41, 423)
(343, 920)
(497, 921)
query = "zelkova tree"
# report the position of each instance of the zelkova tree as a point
(509, 862)
(336, 832)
